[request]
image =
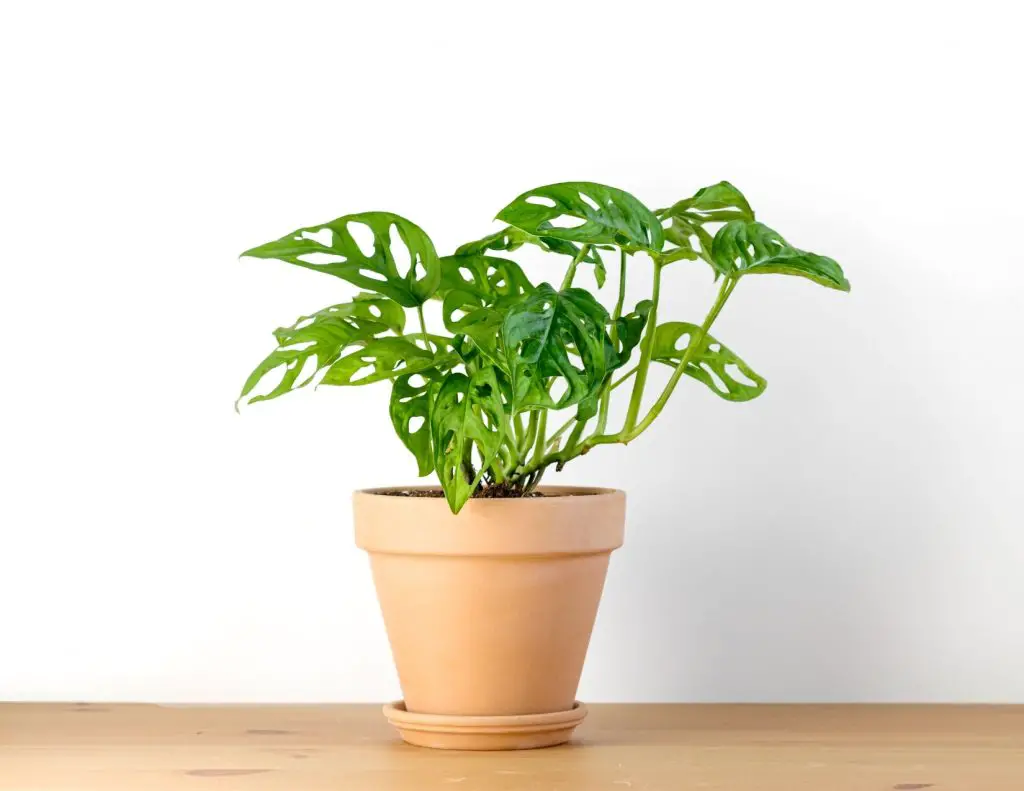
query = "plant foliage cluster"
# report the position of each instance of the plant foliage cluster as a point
(472, 404)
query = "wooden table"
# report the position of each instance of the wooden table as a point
(78, 747)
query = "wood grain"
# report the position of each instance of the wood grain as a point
(81, 747)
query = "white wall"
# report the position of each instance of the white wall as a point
(853, 535)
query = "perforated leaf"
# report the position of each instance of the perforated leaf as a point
(717, 203)
(512, 238)
(466, 313)
(629, 331)
(410, 401)
(712, 363)
(487, 276)
(333, 249)
(585, 212)
(323, 336)
(542, 332)
(384, 358)
(752, 248)
(465, 414)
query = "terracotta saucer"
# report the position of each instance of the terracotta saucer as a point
(512, 732)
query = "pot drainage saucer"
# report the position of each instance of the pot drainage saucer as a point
(503, 732)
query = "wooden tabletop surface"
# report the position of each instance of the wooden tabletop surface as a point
(80, 747)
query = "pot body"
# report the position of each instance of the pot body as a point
(490, 612)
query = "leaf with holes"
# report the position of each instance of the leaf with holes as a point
(752, 248)
(717, 203)
(713, 364)
(466, 313)
(541, 332)
(369, 261)
(588, 213)
(489, 277)
(466, 414)
(410, 403)
(384, 358)
(322, 337)
(512, 238)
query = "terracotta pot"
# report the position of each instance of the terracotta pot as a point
(489, 613)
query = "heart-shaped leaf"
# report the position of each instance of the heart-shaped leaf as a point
(512, 238)
(750, 248)
(371, 263)
(712, 363)
(585, 212)
(720, 202)
(540, 332)
(489, 277)
(384, 358)
(323, 336)
(465, 413)
(410, 401)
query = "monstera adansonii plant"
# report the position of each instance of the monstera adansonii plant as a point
(472, 404)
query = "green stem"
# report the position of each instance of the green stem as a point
(562, 429)
(646, 352)
(542, 429)
(571, 273)
(423, 328)
(695, 343)
(606, 394)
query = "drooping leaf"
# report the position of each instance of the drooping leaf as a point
(411, 401)
(323, 336)
(333, 249)
(384, 358)
(717, 203)
(487, 276)
(465, 413)
(585, 212)
(712, 363)
(750, 248)
(540, 334)
(512, 238)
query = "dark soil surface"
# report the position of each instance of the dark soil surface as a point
(490, 492)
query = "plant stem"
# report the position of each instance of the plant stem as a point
(646, 352)
(423, 328)
(691, 348)
(606, 395)
(542, 429)
(561, 429)
(571, 273)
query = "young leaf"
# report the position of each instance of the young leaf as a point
(408, 402)
(588, 213)
(487, 276)
(333, 249)
(539, 333)
(750, 248)
(629, 331)
(720, 202)
(480, 322)
(323, 335)
(383, 358)
(465, 413)
(711, 364)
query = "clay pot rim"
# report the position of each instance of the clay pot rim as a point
(506, 724)
(551, 492)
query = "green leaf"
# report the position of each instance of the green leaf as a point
(540, 332)
(323, 335)
(713, 364)
(465, 413)
(481, 323)
(487, 276)
(752, 248)
(720, 202)
(383, 358)
(629, 331)
(411, 401)
(331, 248)
(512, 238)
(608, 215)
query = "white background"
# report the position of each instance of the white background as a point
(853, 535)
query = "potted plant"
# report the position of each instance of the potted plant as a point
(489, 585)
